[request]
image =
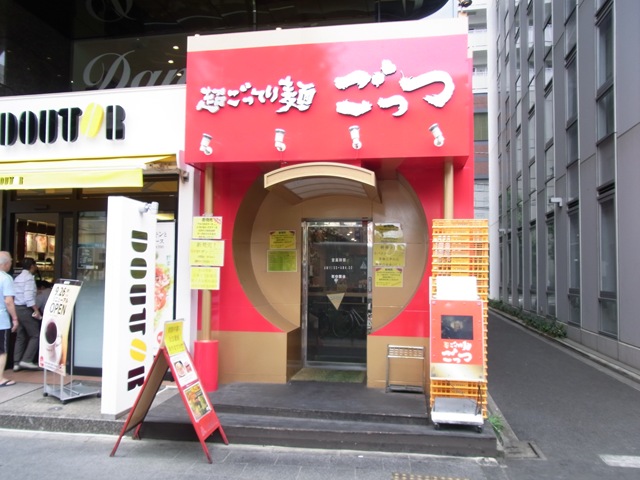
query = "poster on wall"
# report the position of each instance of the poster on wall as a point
(389, 254)
(387, 233)
(282, 239)
(208, 253)
(388, 277)
(205, 278)
(165, 277)
(54, 330)
(207, 228)
(282, 261)
(457, 340)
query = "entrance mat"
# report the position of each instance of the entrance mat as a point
(328, 375)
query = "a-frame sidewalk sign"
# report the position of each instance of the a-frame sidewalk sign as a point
(174, 355)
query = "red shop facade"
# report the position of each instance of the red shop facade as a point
(326, 153)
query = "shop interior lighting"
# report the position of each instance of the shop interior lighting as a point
(438, 138)
(355, 137)
(280, 146)
(205, 144)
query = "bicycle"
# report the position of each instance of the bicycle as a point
(350, 323)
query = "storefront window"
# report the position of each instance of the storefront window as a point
(90, 265)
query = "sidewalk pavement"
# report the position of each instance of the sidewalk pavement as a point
(23, 406)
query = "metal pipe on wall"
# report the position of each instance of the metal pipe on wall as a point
(205, 306)
(448, 188)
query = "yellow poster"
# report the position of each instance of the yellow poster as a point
(389, 254)
(207, 253)
(388, 277)
(205, 278)
(387, 233)
(282, 261)
(173, 339)
(207, 228)
(282, 239)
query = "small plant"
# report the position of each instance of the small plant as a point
(497, 423)
(549, 326)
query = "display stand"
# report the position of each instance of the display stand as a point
(70, 391)
(457, 411)
(57, 324)
(174, 356)
(458, 342)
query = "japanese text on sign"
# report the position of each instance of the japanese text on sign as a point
(282, 239)
(299, 95)
(388, 277)
(207, 228)
(282, 261)
(207, 252)
(389, 254)
(173, 339)
(285, 93)
(205, 278)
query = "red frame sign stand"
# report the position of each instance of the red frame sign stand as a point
(203, 417)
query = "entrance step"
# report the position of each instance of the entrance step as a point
(322, 415)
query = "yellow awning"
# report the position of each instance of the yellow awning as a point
(85, 173)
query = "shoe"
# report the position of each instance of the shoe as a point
(16, 368)
(29, 366)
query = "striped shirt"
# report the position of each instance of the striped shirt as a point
(25, 289)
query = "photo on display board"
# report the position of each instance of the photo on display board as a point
(41, 243)
(29, 242)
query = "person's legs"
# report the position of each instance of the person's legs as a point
(4, 345)
(21, 342)
(32, 327)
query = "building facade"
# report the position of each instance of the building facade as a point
(564, 135)
(66, 63)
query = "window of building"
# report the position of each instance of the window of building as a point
(608, 266)
(605, 104)
(570, 26)
(531, 141)
(532, 177)
(548, 116)
(519, 200)
(572, 142)
(481, 127)
(547, 10)
(532, 192)
(532, 82)
(574, 266)
(571, 90)
(551, 268)
(550, 191)
(533, 259)
(549, 162)
(519, 151)
(530, 37)
(548, 68)
(520, 266)
(606, 158)
(573, 181)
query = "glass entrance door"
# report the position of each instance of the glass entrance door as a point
(336, 293)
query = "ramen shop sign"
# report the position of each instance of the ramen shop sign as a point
(310, 86)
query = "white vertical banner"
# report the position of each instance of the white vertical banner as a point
(128, 342)
(165, 278)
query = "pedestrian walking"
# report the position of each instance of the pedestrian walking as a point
(8, 315)
(28, 338)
